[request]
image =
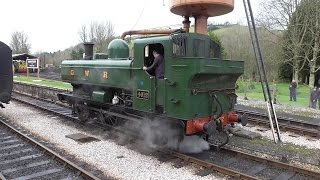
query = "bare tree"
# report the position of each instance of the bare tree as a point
(277, 14)
(99, 33)
(19, 43)
(302, 39)
(83, 34)
(237, 43)
(91, 35)
(316, 49)
(310, 9)
(280, 15)
(294, 39)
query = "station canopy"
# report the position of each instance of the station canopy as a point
(22, 56)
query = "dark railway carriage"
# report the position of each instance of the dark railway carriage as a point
(197, 94)
(6, 76)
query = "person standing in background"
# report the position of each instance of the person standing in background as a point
(314, 97)
(319, 97)
(293, 90)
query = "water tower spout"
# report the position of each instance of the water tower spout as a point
(201, 24)
(201, 10)
(186, 23)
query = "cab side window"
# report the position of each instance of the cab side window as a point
(148, 58)
(179, 46)
(199, 51)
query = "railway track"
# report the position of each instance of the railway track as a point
(22, 157)
(240, 165)
(236, 164)
(298, 127)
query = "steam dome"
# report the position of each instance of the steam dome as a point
(118, 49)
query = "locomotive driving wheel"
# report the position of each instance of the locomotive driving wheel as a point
(108, 119)
(219, 138)
(82, 112)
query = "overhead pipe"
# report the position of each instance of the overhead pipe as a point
(186, 26)
(149, 31)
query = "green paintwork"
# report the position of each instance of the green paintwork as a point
(160, 92)
(196, 84)
(118, 72)
(99, 96)
(203, 75)
(118, 49)
(100, 56)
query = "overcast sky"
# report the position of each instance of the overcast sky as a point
(53, 25)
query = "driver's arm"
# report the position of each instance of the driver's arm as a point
(153, 65)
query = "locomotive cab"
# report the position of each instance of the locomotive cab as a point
(198, 85)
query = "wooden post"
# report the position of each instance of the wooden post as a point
(38, 66)
(27, 67)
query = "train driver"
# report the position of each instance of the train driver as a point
(157, 65)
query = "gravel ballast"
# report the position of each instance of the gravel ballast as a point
(112, 159)
(285, 136)
(120, 161)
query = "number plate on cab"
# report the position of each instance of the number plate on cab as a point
(143, 94)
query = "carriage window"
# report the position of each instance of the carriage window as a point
(179, 46)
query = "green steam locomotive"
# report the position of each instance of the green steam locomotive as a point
(196, 91)
(196, 95)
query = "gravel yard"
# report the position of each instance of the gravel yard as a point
(116, 161)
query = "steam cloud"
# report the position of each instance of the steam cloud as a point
(159, 134)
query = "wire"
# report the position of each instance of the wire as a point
(141, 14)
(138, 19)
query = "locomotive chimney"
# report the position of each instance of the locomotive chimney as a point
(88, 50)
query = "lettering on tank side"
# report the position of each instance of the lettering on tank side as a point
(86, 73)
(105, 75)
